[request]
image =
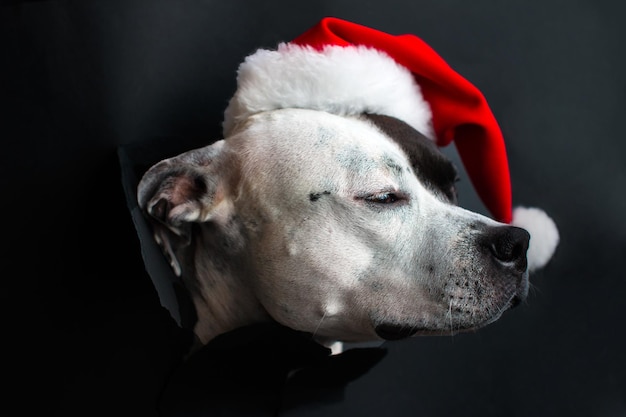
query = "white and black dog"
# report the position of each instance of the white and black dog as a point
(334, 220)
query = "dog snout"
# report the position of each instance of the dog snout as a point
(508, 245)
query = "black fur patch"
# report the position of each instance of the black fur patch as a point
(316, 196)
(431, 166)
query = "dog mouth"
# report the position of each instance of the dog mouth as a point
(394, 331)
(389, 331)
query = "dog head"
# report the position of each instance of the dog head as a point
(328, 206)
(344, 227)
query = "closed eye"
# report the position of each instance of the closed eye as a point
(384, 198)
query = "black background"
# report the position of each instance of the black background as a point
(82, 328)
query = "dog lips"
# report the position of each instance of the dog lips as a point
(395, 331)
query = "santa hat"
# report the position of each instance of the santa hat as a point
(348, 69)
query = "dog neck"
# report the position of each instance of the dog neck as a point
(222, 297)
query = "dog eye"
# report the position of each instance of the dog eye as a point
(383, 198)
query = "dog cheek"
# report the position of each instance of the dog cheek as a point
(403, 305)
(315, 280)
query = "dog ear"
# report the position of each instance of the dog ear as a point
(180, 191)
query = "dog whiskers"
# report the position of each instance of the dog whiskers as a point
(503, 308)
(319, 324)
(532, 288)
(450, 316)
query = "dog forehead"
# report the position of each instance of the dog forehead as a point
(309, 139)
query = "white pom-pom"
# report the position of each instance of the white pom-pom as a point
(544, 236)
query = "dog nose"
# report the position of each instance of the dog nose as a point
(508, 245)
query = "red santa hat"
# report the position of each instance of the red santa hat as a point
(345, 68)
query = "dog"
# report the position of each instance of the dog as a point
(328, 207)
(343, 227)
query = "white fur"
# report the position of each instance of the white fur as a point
(544, 236)
(339, 80)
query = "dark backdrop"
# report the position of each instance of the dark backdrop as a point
(82, 328)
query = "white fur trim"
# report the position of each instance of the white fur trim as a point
(544, 236)
(339, 80)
